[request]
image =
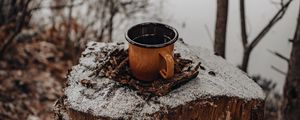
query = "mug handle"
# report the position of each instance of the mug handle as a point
(169, 71)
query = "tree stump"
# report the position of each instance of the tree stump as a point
(220, 91)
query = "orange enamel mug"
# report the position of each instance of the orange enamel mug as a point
(150, 50)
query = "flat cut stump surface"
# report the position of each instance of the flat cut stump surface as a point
(220, 91)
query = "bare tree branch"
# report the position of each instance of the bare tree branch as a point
(100, 37)
(69, 22)
(278, 70)
(108, 10)
(85, 29)
(209, 34)
(249, 47)
(279, 55)
(113, 10)
(280, 13)
(243, 24)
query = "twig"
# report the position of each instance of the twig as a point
(103, 22)
(197, 66)
(208, 33)
(278, 70)
(279, 55)
(121, 65)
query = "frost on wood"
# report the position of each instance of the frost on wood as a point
(109, 99)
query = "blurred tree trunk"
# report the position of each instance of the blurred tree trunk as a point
(69, 45)
(10, 11)
(221, 25)
(14, 15)
(112, 11)
(291, 105)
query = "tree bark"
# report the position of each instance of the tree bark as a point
(291, 105)
(214, 108)
(221, 25)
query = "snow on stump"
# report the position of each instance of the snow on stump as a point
(220, 91)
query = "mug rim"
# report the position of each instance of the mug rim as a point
(173, 40)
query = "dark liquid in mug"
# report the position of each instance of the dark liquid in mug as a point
(152, 39)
